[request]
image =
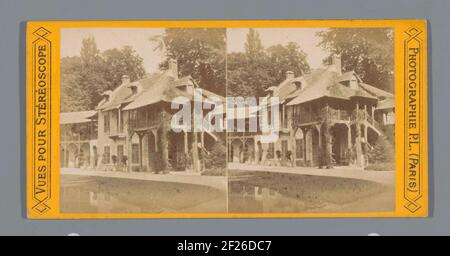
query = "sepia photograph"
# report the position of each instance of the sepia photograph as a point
(314, 120)
(122, 150)
(237, 120)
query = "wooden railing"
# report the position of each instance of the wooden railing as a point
(78, 132)
(305, 117)
(78, 137)
(143, 121)
(374, 123)
(241, 134)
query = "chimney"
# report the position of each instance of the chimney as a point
(336, 62)
(173, 66)
(125, 79)
(106, 95)
(289, 75)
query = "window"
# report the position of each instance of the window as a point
(299, 148)
(135, 153)
(120, 153)
(271, 151)
(106, 155)
(106, 122)
(132, 118)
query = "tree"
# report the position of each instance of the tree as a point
(287, 58)
(89, 54)
(239, 76)
(85, 77)
(200, 53)
(382, 151)
(254, 49)
(252, 72)
(367, 51)
(122, 61)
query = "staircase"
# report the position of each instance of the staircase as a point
(372, 123)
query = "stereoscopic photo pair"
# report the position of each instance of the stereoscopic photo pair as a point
(206, 119)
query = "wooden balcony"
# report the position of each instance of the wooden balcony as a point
(78, 132)
(242, 134)
(309, 117)
(78, 137)
(143, 123)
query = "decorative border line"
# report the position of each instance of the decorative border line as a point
(44, 206)
(41, 116)
(413, 87)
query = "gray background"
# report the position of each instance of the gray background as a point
(13, 14)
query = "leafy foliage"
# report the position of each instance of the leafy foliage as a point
(200, 53)
(252, 72)
(215, 159)
(382, 151)
(85, 77)
(289, 57)
(367, 51)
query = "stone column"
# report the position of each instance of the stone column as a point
(255, 151)
(320, 135)
(349, 136)
(186, 148)
(293, 146)
(202, 143)
(164, 138)
(141, 136)
(305, 132)
(195, 165)
(119, 121)
(358, 146)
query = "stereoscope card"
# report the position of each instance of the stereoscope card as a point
(226, 119)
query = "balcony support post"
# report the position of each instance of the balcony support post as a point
(373, 113)
(186, 150)
(141, 136)
(349, 136)
(365, 111)
(119, 121)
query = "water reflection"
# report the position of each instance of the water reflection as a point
(260, 192)
(110, 195)
(264, 200)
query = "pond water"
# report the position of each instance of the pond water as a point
(80, 194)
(264, 192)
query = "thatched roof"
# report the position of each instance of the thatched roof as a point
(328, 83)
(155, 88)
(123, 93)
(161, 90)
(375, 91)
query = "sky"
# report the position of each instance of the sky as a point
(108, 38)
(138, 39)
(305, 37)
